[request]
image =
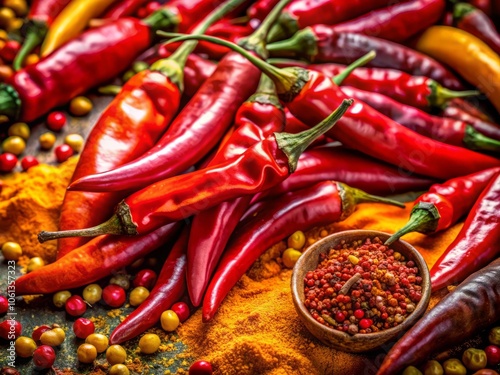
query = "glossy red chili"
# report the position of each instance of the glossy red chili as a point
(470, 308)
(169, 288)
(397, 22)
(124, 8)
(485, 5)
(257, 118)
(446, 130)
(94, 260)
(477, 243)
(476, 22)
(260, 9)
(445, 204)
(262, 166)
(321, 204)
(321, 43)
(485, 127)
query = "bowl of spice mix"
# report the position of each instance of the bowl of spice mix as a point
(354, 293)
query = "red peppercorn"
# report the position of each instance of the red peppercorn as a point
(44, 357)
(56, 121)
(4, 304)
(75, 306)
(145, 278)
(37, 332)
(114, 295)
(339, 317)
(200, 368)
(8, 162)
(365, 323)
(63, 152)
(359, 314)
(10, 329)
(7, 370)
(83, 327)
(492, 355)
(10, 50)
(28, 161)
(182, 310)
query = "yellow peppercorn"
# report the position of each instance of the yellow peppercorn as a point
(80, 106)
(54, 337)
(6, 72)
(116, 354)
(297, 240)
(14, 24)
(14, 144)
(35, 263)
(119, 369)
(169, 320)
(11, 250)
(92, 293)
(18, 6)
(31, 59)
(100, 341)
(290, 257)
(353, 259)
(3, 35)
(86, 353)
(6, 14)
(138, 295)
(47, 140)
(25, 346)
(323, 233)
(20, 129)
(75, 141)
(149, 343)
(59, 299)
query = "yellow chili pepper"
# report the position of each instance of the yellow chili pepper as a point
(71, 21)
(466, 54)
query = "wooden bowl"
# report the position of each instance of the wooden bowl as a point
(341, 340)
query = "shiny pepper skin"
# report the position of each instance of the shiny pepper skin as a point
(44, 357)
(201, 367)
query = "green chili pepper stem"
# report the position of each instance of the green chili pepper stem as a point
(35, 33)
(10, 103)
(303, 43)
(424, 218)
(119, 224)
(110, 90)
(162, 19)
(266, 93)
(257, 40)
(293, 145)
(440, 95)
(477, 141)
(363, 60)
(460, 10)
(285, 26)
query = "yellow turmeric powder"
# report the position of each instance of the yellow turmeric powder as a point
(31, 201)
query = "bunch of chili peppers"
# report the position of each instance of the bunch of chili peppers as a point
(255, 181)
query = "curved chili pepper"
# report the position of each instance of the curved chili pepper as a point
(446, 130)
(260, 9)
(124, 8)
(321, 43)
(169, 288)
(468, 309)
(397, 22)
(350, 167)
(257, 118)
(196, 129)
(321, 204)
(474, 21)
(467, 55)
(483, 126)
(484, 5)
(444, 204)
(70, 22)
(39, 19)
(294, 125)
(262, 166)
(471, 108)
(302, 13)
(94, 260)
(477, 242)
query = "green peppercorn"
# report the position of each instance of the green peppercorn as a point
(453, 366)
(474, 359)
(433, 367)
(412, 370)
(494, 336)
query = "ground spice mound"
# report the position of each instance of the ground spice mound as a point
(30, 202)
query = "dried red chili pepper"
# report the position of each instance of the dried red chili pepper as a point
(94, 260)
(321, 204)
(262, 166)
(168, 289)
(197, 128)
(397, 22)
(483, 126)
(321, 43)
(133, 122)
(257, 118)
(446, 130)
(444, 204)
(474, 21)
(467, 310)
(350, 167)
(39, 18)
(477, 242)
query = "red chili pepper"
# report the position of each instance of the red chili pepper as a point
(468, 309)
(302, 13)
(96, 259)
(39, 18)
(124, 8)
(168, 289)
(260, 9)
(446, 130)
(397, 22)
(257, 118)
(483, 126)
(445, 204)
(133, 122)
(474, 21)
(350, 167)
(473, 108)
(196, 129)
(262, 166)
(477, 243)
(321, 43)
(485, 5)
(294, 125)
(321, 204)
